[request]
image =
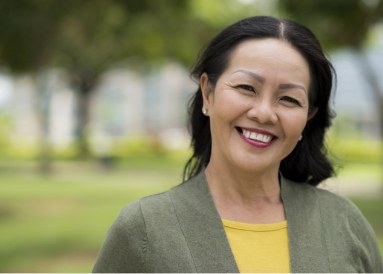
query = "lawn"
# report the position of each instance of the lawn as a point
(57, 223)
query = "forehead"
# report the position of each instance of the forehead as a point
(270, 52)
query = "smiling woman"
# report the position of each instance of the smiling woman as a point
(249, 201)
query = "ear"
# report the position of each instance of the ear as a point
(312, 113)
(206, 90)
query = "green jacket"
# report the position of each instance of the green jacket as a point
(180, 231)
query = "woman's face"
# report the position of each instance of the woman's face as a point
(258, 107)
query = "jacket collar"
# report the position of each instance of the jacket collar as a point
(206, 237)
(305, 232)
(202, 227)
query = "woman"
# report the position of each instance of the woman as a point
(249, 201)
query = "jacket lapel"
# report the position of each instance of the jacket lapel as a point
(206, 237)
(305, 232)
(202, 227)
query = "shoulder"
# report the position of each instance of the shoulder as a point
(126, 245)
(156, 205)
(343, 225)
(120, 251)
(336, 211)
(186, 189)
(160, 206)
(344, 211)
(327, 200)
(339, 206)
(351, 227)
(331, 205)
(132, 216)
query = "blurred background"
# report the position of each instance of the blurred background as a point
(93, 97)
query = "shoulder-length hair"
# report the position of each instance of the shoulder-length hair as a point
(308, 162)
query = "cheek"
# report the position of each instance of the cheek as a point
(227, 105)
(230, 100)
(294, 123)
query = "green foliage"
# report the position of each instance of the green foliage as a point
(5, 139)
(141, 147)
(22, 152)
(337, 23)
(355, 150)
(28, 32)
(138, 146)
(220, 13)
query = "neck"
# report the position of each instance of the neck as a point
(245, 197)
(247, 187)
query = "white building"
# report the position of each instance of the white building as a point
(124, 104)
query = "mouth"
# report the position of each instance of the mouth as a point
(255, 137)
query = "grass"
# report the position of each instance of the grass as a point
(57, 223)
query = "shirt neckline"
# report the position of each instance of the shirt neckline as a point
(255, 227)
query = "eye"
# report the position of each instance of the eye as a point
(291, 101)
(246, 87)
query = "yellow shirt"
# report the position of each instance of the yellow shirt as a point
(259, 247)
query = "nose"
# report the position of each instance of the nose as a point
(263, 111)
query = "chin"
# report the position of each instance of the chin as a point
(252, 167)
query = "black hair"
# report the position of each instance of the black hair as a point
(308, 162)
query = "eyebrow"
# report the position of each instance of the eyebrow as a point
(292, 86)
(262, 80)
(252, 75)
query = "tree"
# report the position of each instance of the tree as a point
(99, 34)
(88, 37)
(28, 30)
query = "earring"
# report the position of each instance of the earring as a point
(204, 111)
(300, 138)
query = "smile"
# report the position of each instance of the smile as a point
(256, 138)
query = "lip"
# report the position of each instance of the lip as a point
(261, 131)
(254, 143)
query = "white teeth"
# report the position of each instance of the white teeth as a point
(256, 136)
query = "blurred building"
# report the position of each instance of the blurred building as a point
(124, 104)
(354, 101)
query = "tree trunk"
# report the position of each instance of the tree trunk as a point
(44, 96)
(83, 84)
(81, 129)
